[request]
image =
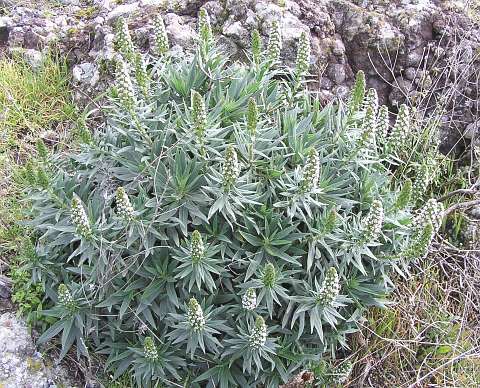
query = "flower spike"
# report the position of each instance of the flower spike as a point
(231, 168)
(124, 206)
(249, 299)
(195, 317)
(311, 172)
(256, 47)
(330, 288)
(125, 90)
(161, 45)
(149, 349)
(258, 335)
(303, 55)
(80, 218)
(274, 43)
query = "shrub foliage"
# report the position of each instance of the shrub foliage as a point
(222, 228)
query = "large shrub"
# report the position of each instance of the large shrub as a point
(222, 228)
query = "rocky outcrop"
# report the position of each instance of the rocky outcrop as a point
(21, 366)
(423, 51)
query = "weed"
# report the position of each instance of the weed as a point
(87, 12)
(426, 337)
(32, 100)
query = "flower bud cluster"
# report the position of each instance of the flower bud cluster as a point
(65, 297)
(274, 42)
(371, 101)
(231, 168)
(432, 212)
(258, 335)
(372, 224)
(330, 221)
(204, 28)
(197, 247)
(303, 55)
(124, 40)
(79, 218)
(124, 206)
(383, 124)
(256, 47)
(330, 288)
(404, 196)
(42, 178)
(252, 117)
(358, 93)
(195, 317)
(422, 181)
(199, 115)
(124, 84)
(400, 131)
(283, 96)
(269, 275)
(249, 299)
(141, 74)
(161, 39)
(42, 149)
(366, 142)
(311, 172)
(149, 349)
(419, 247)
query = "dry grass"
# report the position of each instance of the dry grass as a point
(431, 337)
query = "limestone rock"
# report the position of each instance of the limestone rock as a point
(21, 366)
(86, 73)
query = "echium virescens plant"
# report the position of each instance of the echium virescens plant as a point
(303, 56)
(123, 40)
(217, 230)
(400, 133)
(161, 44)
(256, 48)
(274, 47)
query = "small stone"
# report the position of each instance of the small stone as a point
(410, 73)
(326, 83)
(20, 365)
(70, 2)
(122, 10)
(337, 73)
(178, 31)
(5, 22)
(341, 91)
(472, 130)
(5, 287)
(216, 11)
(103, 4)
(236, 31)
(34, 58)
(86, 73)
(398, 94)
(145, 3)
(338, 48)
(414, 57)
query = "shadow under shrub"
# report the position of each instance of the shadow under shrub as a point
(223, 228)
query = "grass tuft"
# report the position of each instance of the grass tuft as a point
(32, 100)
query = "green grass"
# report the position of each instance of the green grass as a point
(32, 101)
